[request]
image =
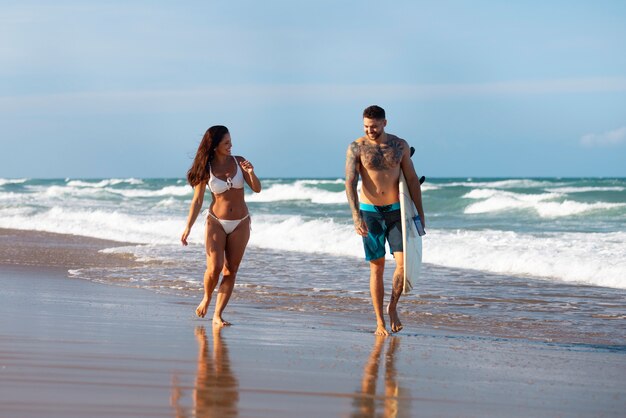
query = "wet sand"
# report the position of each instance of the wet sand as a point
(75, 348)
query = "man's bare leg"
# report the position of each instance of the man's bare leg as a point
(377, 290)
(396, 291)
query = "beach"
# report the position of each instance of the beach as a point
(73, 347)
(506, 121)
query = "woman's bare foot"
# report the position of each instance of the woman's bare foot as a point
(381, 329)
(202, 307)
(396, 325)
(220, 322)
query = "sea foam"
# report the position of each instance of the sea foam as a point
(103, 183)
(590, 258)
(298, 190)
(153, 213)
(545, 205)
(12, 181)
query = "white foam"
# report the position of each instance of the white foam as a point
(498, 201)
(502, 184)
(322, 181)
(489, 193)
(294, 233)
(298, 191)
(427, 187)
(569, 208)
(10, 196)
(166, 203)
(165, 191)
(594, 258)
(103, 183)
(103, 224)
(65, 191)
(591, 258)
(568, 190)
(12, 181)
(147, 252)
(102, 190)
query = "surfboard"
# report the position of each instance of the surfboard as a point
(411, 240)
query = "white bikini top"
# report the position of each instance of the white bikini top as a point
(219, 186)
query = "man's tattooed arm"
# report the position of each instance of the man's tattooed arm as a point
(353, 163)
(352, 179)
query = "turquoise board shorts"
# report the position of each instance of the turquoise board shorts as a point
(384, 224)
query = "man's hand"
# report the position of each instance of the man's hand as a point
(361, 227)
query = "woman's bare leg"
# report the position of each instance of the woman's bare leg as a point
(215, 242)
(236, 243)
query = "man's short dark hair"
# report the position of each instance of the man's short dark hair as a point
(374, 112)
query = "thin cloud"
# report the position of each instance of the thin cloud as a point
(605, 139)
(179, 99)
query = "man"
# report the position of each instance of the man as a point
(378, 158)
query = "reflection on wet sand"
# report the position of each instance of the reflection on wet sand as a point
(216, 389)
(392, 403)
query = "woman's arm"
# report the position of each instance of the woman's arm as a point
(194, 209)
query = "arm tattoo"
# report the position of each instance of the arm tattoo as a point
(352, 178)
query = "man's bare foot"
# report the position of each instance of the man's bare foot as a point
(220, 322)
(381, 330)
(396, 325)
(202, 308)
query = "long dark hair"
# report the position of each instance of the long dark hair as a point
(199, 170)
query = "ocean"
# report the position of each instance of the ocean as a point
(540, 258)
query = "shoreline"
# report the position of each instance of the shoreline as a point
(50, 249)
(73, 347)
(431, 306)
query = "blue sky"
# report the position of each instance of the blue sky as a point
(480, 88)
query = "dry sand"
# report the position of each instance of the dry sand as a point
(72, 348)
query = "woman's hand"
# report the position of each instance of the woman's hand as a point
(251, 178)
(183, 239)
(247, 166)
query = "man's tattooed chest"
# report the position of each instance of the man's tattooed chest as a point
(381, 157)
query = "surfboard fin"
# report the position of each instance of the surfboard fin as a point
(423, 178)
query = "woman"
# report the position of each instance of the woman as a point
(228, 222)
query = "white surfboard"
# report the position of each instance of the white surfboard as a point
(411, 241)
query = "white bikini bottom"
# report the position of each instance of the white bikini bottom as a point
(227, 224)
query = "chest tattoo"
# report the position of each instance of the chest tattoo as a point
(383, 156)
